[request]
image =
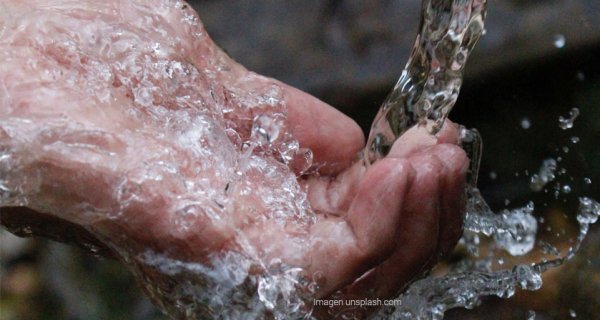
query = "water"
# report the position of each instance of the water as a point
(559, 41)
(427, 93)
(200, 161)
(174, 145)
(546, 174)
(566, 123)
(430, 82)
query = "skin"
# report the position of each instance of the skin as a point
(376, 228)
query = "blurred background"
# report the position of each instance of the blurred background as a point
(538, 60)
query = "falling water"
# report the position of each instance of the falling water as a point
(426, 91)
(431, 80)
(244, 285)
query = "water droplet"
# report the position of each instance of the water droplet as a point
(546, 174)
(493, 175)
(566, 189)
(567, 123)
(517, 236)
(266, 128)
(319, 278)
(302, 161)
(24, 231)
(588, 211)
(530, 315)
(559, 41)
(528, 278)
(572, 313)
(565, 149)
(547, 248)
(587, 180)
(525, 123)
(575, 140)
(580, 76)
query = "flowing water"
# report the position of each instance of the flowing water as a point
(426, 91)
(202, 164)
(430, 82)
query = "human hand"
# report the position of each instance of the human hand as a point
(124, 118)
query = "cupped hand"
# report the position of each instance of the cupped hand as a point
(124, 118)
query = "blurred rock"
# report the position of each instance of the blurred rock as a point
(580, 282)
(352, 46)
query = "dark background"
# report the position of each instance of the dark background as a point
(350, 53)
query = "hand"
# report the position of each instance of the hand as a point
(124, 119)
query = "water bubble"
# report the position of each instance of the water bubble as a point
(567, 123)
(525, 123)
(587, 180)
(580, 76)
(559, 41)
(530, 315)
(565, 149)
(493, 175)
(566, 188)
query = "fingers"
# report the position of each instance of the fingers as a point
(453, 184)
(418, 137)
(417, 236)
(342, 251)
(333, 137)
(333, 195)
(430, 226)
(449, 133)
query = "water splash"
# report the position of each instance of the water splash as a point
(468, 282)
(546, 174)
(236, 285)
(427, 90)
(189, 136)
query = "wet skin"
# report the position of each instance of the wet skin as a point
(376, 228)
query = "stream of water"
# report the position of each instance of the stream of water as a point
(426, 91)
(225, 161)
